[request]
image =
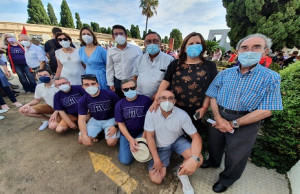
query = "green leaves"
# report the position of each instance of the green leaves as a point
(66, 19)
(51, 14)
(79, 24)
(36, 13)
(177, 35)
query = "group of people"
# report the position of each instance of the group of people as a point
(129, 94)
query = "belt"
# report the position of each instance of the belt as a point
(233, 111)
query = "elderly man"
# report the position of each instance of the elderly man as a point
(164, 133)
(120, 59)
(150, 68)
(240, 98)
(35, 56)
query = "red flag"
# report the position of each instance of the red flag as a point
(24, 31)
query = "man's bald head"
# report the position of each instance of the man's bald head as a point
(24, 37)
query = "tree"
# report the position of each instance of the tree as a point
(109, 31)
(138, 36)
(128, 33)
(148, 9)
(51, 14)
(133, 31)
(78, 21)
(211, 45)
(166, 40)
(177, 35)
(95, 27)
(103, 30)
(86, 25)
(276, 19)
(66, 19)
(36, 13)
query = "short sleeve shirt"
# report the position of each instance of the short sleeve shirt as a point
(47, 93)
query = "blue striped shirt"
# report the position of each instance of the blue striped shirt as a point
(259, 88)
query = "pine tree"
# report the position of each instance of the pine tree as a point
(78, 22)
(108, 31)
(128, 33)
(95, 27)
(51, 14)
(66, 19)
(138, 32)
(37, 13)
(177, 35)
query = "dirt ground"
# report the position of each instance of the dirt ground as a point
(33, 161)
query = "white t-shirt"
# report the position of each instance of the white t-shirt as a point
(168, 130)
(47, 93)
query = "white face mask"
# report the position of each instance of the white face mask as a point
(25, 43)
(167, 106)
(65, 44)
(64, 87)
(92, 90)
(120, 40)
(87, 39)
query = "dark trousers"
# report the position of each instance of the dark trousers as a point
(118, 86)
(26, 78)
(9, 94)
(237, 147)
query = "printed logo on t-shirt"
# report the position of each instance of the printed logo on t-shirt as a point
(99, 106)
(70, 100)
(133, 112)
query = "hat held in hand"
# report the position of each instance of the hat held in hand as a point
(143, 154)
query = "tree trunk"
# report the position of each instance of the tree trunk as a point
(146, 24)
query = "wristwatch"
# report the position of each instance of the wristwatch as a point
(235, 124)
(197, 159)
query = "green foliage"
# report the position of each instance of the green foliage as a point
(211, 46)
(275, 67)
(86, 25)
(103, 30)
(51, 14)
(277, 19)
(78, 21)
(165, 40)
(135, 31)
(148, 9)
(128, 33)
(66, 19)
(36, 13)
(95, 27)
(109, 31)
(278, 147)
(177, 35)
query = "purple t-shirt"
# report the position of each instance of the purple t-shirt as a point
(17, 55)
(133, 113)
(69, 101)
(101, 107)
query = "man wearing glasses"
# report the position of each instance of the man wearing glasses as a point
(100, 105)
(120, 59)
(150, 68)
(164, 133)
(240, 98)
(130, 115)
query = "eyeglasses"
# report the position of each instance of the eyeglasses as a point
(130, 88)
(164, 98)
(57, 85)
(155, 41)
(254, 48)
(88, 76)
(62, 39)
(118, 33)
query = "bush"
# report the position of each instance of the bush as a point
(278, 144)
(275, 67)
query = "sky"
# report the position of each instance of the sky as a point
(185, 15)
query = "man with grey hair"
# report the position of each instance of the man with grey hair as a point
(240, 98)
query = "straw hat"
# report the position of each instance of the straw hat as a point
(143, 154)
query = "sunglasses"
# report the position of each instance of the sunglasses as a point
(62, 39)
(130, 88)
(86, 76)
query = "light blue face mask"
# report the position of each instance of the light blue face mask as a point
(152, 49)
(130, 94)
(194, 50)
(247, 59)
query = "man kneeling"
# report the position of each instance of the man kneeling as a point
(166, 126)
(100, 104)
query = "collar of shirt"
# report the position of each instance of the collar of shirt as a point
(155, 58)
(254, 69)
(170, 115)
(127, 47)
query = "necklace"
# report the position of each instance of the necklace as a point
(69, 57)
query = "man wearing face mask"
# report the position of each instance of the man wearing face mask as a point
(100, 105)
(164, 133)
(66, 103)
(130, 115)
(46, 91)
(35, 56)
(240, 98)
(150, 68)
(120, 59)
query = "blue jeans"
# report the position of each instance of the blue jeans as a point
(26, 78)
(125, 155)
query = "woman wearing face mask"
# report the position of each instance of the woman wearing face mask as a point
(69, 64)
(15, 53)
(189, 77)
(93, 56)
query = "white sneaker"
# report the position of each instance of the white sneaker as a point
(2, 117)
(3, 111)
(186, 185)
(44, 125)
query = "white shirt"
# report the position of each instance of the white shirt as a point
(150, 73)
(34, 55)
(47, 93)
(3, 58)
(168, 130)
(120, 62)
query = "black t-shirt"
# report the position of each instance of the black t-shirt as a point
(190, 82)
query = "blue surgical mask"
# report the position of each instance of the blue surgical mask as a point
(45, 79)
(130, 94)
(152, 49)
(194, 50)
(247, 59)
